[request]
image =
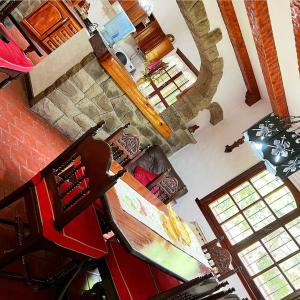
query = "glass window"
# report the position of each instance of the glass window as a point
(260, 220)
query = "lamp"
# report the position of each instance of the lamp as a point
(277, 143)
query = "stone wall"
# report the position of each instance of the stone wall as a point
(89, 96)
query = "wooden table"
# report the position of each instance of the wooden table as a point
(145, 243)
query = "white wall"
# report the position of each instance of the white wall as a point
(172, 22)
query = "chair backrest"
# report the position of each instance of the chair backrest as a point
(79, 176)
(219, 258)
(125, 146)
(167, 187)
(197, 288)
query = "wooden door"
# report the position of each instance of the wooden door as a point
(51, 21)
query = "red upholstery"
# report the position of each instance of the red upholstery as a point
(82, 235)
(164, 281)
(11, 56)
(132, 277)
(145, 177)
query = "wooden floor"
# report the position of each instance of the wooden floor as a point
(27, 144)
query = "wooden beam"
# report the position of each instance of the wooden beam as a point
(258, 15)
(295, 10)
(241, 53)
(121, 76)
(126, 83)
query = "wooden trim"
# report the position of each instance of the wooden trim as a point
(126, 83)
(295, 11)
(241, 53)
(187, 62)
(260, 23)
(203, 204)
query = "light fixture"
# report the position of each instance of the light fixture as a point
(147, 6)
(276, 141)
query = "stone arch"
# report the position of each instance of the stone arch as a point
(200, 95)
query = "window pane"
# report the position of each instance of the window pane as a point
(255, 258)
(244, 195)
(294, 229)
(173, 71)
(147, 90)
(154, 100)
(170, 88)
(172, 98)
(223, 208)
(237, 229)
(281, 202)
(273, 285)
(259, 215)
(280, 244)
(265, 182)
(160, 107)
(160, 80)
(291, 268)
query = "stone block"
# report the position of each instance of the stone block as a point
(121, 106)
(197, 12)
(63, 103)
(146, 131)
(210, 39)
(130, 117)
(112, 122)
(216, 113)
(47, 110)
(69, 89)
(215, 66)
(200, 28)
(101, 135)
(211, 53)
(141, 118)
(185, 110)
(103, 102)
(68, 127)
(94, 91)
(172, 118)
(102, 78)
(94, 69)
(83, 80)
(180, 139)
(87, 107)
(111, 89)
(84, 121)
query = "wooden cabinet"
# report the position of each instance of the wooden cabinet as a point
(51, 24)
(152, 41)
(133, 10)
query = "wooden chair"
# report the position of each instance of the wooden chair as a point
(198, 288)
(167, 187)
(126, 147)
(58, 203)
(219, 258)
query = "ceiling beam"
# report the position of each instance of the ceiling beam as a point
(295, 9)
(241, 53)
(258, 15)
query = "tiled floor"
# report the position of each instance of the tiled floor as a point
(27, 144)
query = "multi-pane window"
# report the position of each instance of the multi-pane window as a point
(260, 220)
(166, 85)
